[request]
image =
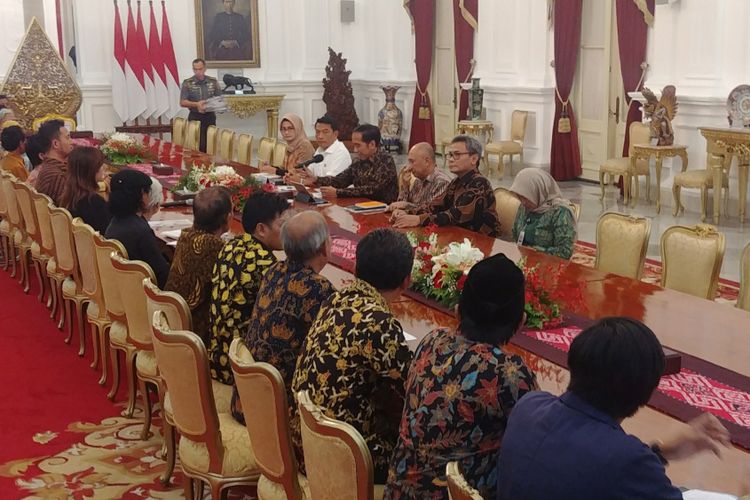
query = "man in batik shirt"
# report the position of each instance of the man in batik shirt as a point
(290, 297)
(468, 202)
(429, 182)
(355, 360)
(372, 176)
(237, 274)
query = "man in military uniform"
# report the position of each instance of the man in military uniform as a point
(229, 39)
(193, 95)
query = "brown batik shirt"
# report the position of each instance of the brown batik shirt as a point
(468, 203)
(420, 193)
(374, 178)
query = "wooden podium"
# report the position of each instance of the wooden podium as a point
(246, 105)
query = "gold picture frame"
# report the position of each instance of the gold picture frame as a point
(227, 33)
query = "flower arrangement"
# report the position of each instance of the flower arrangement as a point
(547, 293)
(121, 149)
(440, 272)
(202, 176)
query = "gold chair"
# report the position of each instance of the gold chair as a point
(213, 448)
(245, 148)
(70, 122)
(113, 333)
(576, 209)
(458, 488)
(265, 149)
(506, 205)
(621, 244)
(178, 130)
(29, 244)
(17, 237)
(512, 147)
(263, 396)
(192, 135)
(91, 286)
(691, 259)
(177, 312)
(211, 138)
(130, 275)
(5, 235)
(226, 144)
(703, 180)
(743, 301)
(67, 278)
(338, 462)
(42, 204)
(640, 133)
(279, 155)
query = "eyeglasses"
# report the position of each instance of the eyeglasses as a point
(455, 155)
(287, 129)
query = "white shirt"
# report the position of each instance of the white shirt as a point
(335, 160)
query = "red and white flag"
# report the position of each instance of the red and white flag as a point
(157, 63)
(170, 64)
(119, 85)
(148, 74)
(134, 72)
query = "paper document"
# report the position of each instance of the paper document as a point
(409, 336)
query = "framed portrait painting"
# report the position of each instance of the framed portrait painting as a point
(227, 33)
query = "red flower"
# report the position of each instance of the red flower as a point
(461, 281)
(437, 280)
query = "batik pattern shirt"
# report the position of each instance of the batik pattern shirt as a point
(468, 202)
(420, 193)
(235, 282)
(51, 178)
(190, 274)
(374, 178)
(552, 232)
(354, 365)
(459, 395)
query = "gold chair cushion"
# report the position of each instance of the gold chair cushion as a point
(507, 147)
(118, 334)
(222, 396)
(92, 311)
(238, 453)
(4, 227)
(269, 490)
(69, 292)
(52, 270)
(36, 250)
(697, 179)
(145, 363)
(21, 240)
(618, 165)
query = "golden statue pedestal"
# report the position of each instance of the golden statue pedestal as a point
(725, 143)
(246, 105)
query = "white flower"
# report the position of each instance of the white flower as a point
(121, 137)
(461, 255)
(224, 171)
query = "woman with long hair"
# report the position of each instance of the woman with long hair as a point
(81, 193)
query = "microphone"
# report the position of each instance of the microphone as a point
(178, 203)
(314, 159)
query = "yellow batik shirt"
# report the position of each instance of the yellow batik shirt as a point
(234, 286)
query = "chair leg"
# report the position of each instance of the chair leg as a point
(634, 199)
(648, 188)
(626, 182)
(6, 253)
(704, 203)
(169, 443)
(52, 298)
(602, 175)
(24, 281)
(132, 383)
(676, 195)
(115, 373)
(510, 165)
(189, 488)
(42, 288)
(146, 431)
(95, 334)
(12, 255)
(500, 166)
(216, 489)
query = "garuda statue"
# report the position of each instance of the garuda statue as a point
(662, 112)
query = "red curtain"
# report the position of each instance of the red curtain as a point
(423, 19)
(464, 23)
(632, 35)
(565, 161)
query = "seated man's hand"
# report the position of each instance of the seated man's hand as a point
(406, 220)
(292, 177)
(328, 192)
(702, 433)
(266, 168)
(201, 106)
(397, 213)
(401, 205)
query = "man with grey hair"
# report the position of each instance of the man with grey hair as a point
(290, 296)
(429, 182)
(468, 201)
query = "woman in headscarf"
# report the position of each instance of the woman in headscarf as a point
(298, 146)
(545, 220)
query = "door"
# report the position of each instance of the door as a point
(443, 81)
(598, 94)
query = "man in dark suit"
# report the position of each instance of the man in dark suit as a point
(229, 39)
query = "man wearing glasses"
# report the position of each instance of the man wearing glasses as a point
(468, 202)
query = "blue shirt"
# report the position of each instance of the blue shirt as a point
(564, 448)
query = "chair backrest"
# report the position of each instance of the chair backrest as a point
(65, 249)
(576, 209)
(226, 144)
(265, 149)
(42, 206)
(506, 205)
(458, 488)
(518, 125)
(212, 134)
(70, 122)
(337, 459)
(640, 133)
(691, 259)
(279, 155)
(13, 211)
(743, 301)
(183, 364)
(130, 275)
(263, 396)
(3, 202)
(178, 130)
(25, 203)
(172, 304)
(83, 235)
(622, 243)
(245, 148)
(108, 277)
(192, 134)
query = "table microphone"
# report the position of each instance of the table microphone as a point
(314, 159)
(178, 203)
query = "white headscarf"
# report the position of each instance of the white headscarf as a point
(538, 186)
